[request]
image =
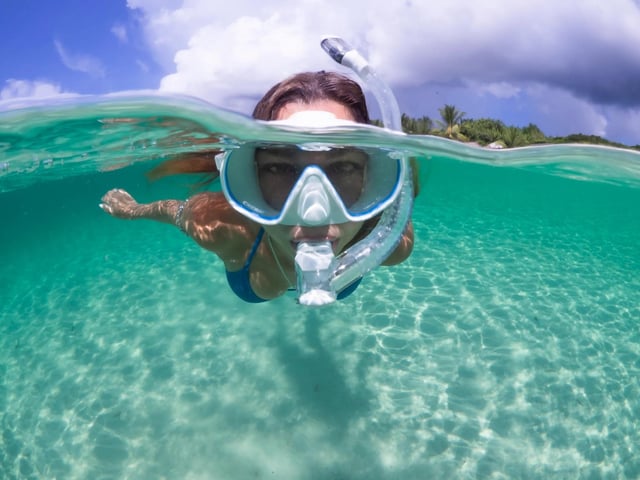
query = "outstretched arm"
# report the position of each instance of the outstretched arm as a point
(121, 204)
(205, 217)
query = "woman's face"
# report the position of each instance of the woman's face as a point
(280, 167)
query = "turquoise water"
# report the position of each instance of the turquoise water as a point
(507, 346)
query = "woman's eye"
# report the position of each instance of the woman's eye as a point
(345, 168)
(278, 169)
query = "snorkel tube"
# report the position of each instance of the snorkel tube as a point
(320, 274)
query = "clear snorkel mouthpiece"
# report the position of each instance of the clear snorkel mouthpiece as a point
(315, 264)
(321, 274)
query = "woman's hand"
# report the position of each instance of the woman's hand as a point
(119, 204)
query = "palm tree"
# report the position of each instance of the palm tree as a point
(514, 137)
(419, 126)
(451, 117)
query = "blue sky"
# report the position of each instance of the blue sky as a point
(571, 66)
(75, 44)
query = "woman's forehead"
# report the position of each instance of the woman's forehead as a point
(341, 111)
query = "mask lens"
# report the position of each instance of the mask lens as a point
(265, 181)
(279, 168)
(347, 174)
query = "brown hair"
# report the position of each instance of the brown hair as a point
(310, 87)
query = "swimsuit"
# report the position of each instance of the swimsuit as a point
(241, 286)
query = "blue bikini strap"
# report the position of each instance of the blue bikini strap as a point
(254, 247)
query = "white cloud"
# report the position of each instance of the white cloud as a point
(250, 53)
(231, 52)
(14, 88)
(80, 62)
(120, 32)
(498, 89)
(410, 42)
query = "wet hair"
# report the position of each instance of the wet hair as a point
(309, 87)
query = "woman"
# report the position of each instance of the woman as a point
(259, 258)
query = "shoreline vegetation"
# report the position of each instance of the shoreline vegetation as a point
(487, 132)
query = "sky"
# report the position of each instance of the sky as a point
(568, 66)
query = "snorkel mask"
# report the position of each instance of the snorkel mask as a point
(318, 184)
(310, 184)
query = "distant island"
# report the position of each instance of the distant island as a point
(488, 132)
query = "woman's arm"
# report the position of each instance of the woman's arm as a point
(206, 217)
(401, 252)
(120, 204)
(404, 248)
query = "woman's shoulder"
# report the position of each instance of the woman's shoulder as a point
(204, 200)
(206, 207)
(212, 222)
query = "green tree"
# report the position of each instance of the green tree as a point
(418, 126)
(483, 130)
(534, 134)
(451, 117)
(513, 137)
